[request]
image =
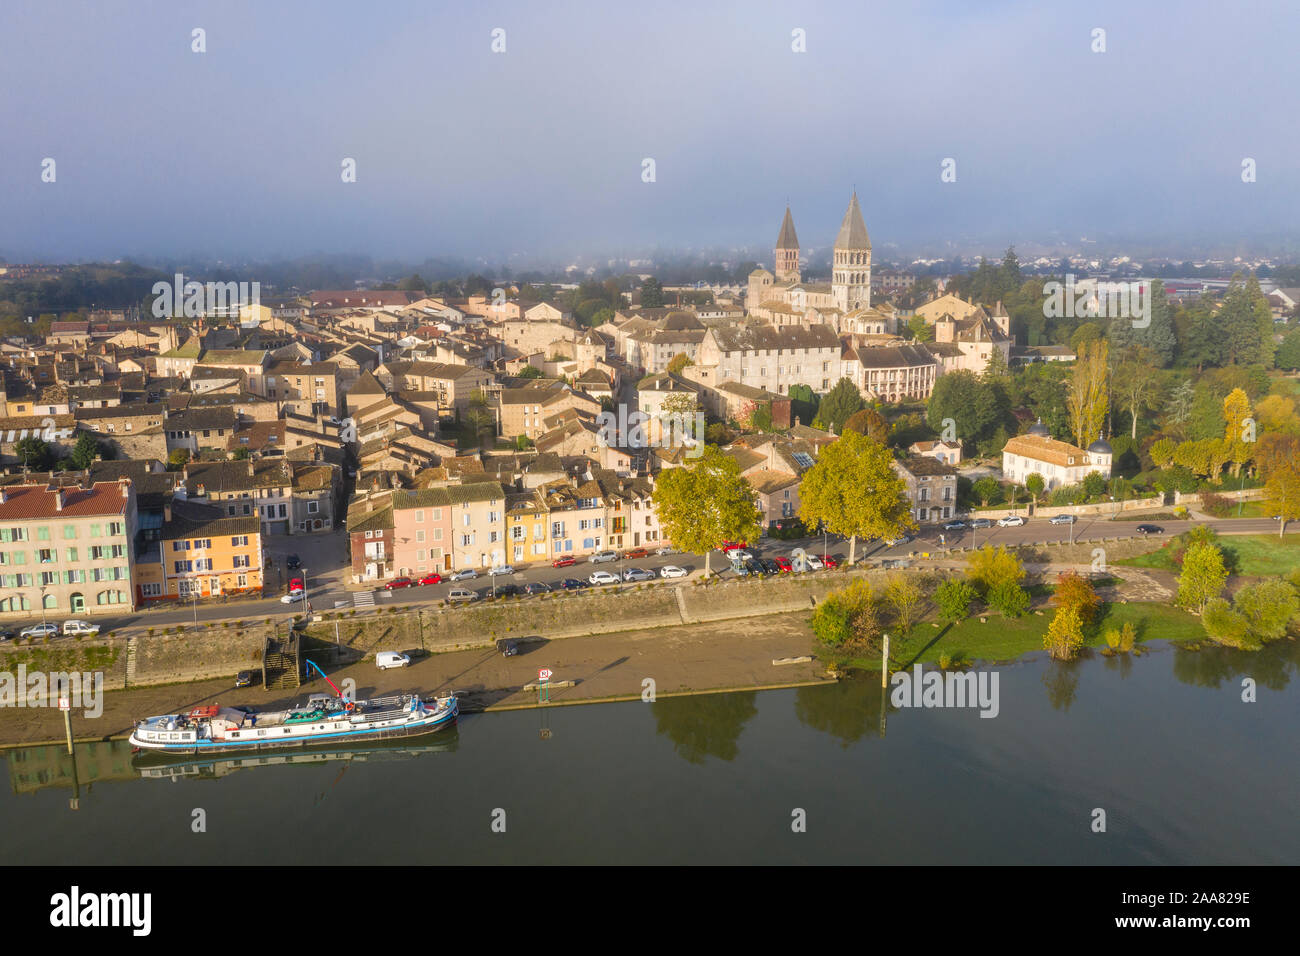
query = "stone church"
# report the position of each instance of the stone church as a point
(784, 298)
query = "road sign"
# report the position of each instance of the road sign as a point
(65, 703)
(544, 674)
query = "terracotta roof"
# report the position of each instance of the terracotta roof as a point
(25, 502)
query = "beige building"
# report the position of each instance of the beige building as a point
(67, 551)
(1060, 463)
(931, 487)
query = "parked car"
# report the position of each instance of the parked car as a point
(1150, 529)
(1011, 521)
(246, 678)
(668, 550)
(462, 594)
(981, 523)
(728, 545)
(80, 627)
(508, 590)
(39, 630)
(7, 634)
(563, 563)
(293, 562)
(955, 525)
(754, 566)
(672, 571)
(536, 587)
(387, 659)
(829, 562)
(292, 597)
(814, 562)
(1062, 519)
(465, 574)
(393, 585)
(638, 574)
(635, 553)
(573, 584)
(738, 554)
(296, 584)
(901, 539)
(602, 577)
(508, 648)
(501, 569)
(784, 564)
(431, 578)
(600, 557)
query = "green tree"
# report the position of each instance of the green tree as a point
(1224, 624)
(976, 408)
(177, 459)
(1035, 485)
(704, 503)
(990, 567)
(678, 362)
(1268, 607)
(984, 489)
(1009, 598)
(652, 294)
(840, 402)
(84, 452)
(920, 329)
(853, 489)
(1288, 353)
(907, 598)
(1203, 576)
(954, 598)
(530, 371)
(34, 452)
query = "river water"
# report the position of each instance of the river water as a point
(1184, 770)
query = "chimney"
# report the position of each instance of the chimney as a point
(4, 495)
(126, 487)
(167, 513)
(250, 468)
(58, 499)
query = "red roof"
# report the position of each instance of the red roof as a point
(24, 502)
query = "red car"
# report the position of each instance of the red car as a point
(829, 562)
(295, 584)
(434, 578)
(397, 583)
(784, 565)
(728, 545)
(563, 563)
(635, 553)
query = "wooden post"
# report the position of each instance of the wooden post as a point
(884, 664)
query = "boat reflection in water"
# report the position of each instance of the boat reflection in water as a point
(161, 766)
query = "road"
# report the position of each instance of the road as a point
(332, 594)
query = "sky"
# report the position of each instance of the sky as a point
(538, 152)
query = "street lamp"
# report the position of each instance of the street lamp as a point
(42, 607)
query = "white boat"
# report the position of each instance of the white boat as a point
(322, 719)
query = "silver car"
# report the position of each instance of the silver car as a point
(602, 556)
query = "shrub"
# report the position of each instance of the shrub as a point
(1064, 635)
(1216, 505)
(954, 598)
(1009, 598)
(1123, 638)
(1076, 592)
(1225, 625)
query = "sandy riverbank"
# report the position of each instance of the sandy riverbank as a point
(732, 654)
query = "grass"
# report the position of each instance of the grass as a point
(1264, 555)
(1005, 640)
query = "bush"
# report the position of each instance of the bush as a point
(1123, 639)
(1009, 598)
(954, 598)
(1225, 625)
(1216, 505)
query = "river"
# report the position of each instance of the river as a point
(1185, 771)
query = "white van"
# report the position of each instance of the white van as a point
(461, 594)
(80, 627)
(387, 659)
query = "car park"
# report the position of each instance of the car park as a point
(501, 569)
(638, 574)
(431, 578)
(466, 574)
(39, 630)
(537, 587)
(1011, 521)
(563, 563)
(393, 585)
(955, 525)
(386, 659)
(1062, 519)
(635, 554)
(602, 577)
(672, 571)
(1145, 529)
(80, 627)
(979, 523)
(508, 648)
(600, 557)
(293, 562)
(462, 594)
(573, 584)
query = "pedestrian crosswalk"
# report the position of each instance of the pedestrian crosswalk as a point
(364, 598)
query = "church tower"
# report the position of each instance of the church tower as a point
(787, 251)
(851, 262)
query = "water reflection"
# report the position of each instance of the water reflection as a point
(705, 725)
(1271, 666)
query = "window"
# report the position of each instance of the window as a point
(239, 541)
(69, 532)
(96, 531)
(43, 534)
(45, 556)
(419, 536)
(151, 590)
(71, 554)
(419, 516)
(312, 507)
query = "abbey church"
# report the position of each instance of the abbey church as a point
(784, 298)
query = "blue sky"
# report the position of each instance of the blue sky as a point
(236, 152)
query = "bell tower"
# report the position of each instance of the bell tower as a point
(787, 251)
(851, 261)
